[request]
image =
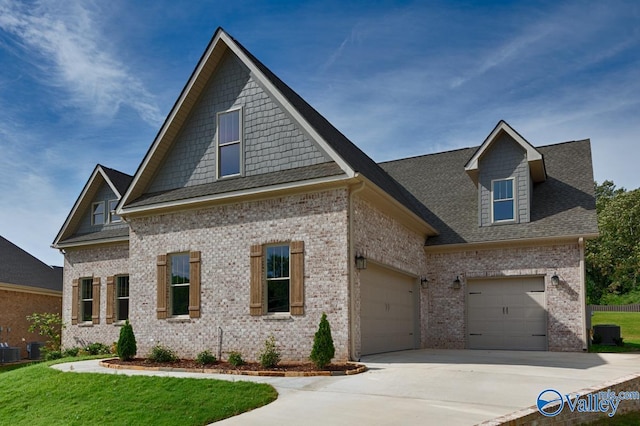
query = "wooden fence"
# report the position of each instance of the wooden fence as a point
(614, 308)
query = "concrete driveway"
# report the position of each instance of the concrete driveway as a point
(453, 387)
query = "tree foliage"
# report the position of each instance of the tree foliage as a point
(48, 325)
(323, 349)
(127, 346)
(613, 259)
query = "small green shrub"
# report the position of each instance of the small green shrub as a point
(206, 358)
(71, 352)
(235, 359)
(323, 350)
(269, 357)
(161, 353)
(126, 347)
(50, 355)
(596, 339)
(97, 349)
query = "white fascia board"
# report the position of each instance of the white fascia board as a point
(282, 100)
(234, 195)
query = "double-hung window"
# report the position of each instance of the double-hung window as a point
(122, 297)
(97, 213)
(278, 278)
(503, 200)
(86, 299)
(229, 143)
(179, 285)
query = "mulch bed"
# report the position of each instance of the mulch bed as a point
(250, 368)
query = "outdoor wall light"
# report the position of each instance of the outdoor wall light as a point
(456, 283)
(555, 279)
(424, 282)
(361, 262)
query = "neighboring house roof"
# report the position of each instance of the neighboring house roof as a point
(19, 268)
(118, 182)
(534, 157)
(349, 158)
(563, 205)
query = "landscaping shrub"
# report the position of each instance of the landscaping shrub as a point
(161, 353)
(97, 349)
(71, 352)
(269, 357)
(126, 347)
(235, 359)
(48, 325)
(323, 349)
(50, 355)
(206, 358)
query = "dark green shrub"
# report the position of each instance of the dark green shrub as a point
(323, 349)
(206, 358)
(619, 341)
(235, 359)
(161, 353)
(597, 339)
(71, 352)
(126, 347)
(97, 349)
(269, 357)
(50, 355)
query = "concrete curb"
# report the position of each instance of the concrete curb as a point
(361, 369)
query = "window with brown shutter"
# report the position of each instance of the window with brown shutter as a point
(161, 308)
(194, 284)
(95, 313)
(75, 300)
(255, 304)
(111, 298)
(297, 278)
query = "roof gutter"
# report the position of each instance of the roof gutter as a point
(443, 248)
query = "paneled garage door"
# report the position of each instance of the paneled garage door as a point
(388, 310)
(507, 314)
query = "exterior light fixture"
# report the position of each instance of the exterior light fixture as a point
(424, 282)
(456, 283)
(555, 279)
(361, 262)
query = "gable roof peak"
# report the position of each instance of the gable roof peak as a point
(534, 157)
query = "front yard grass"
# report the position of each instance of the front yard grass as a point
(40, 395)
(629, 323)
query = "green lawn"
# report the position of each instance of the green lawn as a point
(629, 419)
(629, 323)
(40, 395)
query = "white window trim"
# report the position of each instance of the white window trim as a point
(104, 213)
(117, 307)
(113, 213)
(82, 300)
(172, 285)
(515, 201)
(240, 142)
(266, 281)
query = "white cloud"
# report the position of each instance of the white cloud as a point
(71, 53)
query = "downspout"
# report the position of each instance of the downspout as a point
(583, 300)
(352, 277)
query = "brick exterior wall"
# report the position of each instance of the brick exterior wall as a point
(224, 235)
(99, 261)
(446, 327)
(14, 308)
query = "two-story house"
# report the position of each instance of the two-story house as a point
(251, 215)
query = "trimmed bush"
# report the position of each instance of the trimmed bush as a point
(235, 359)
(206, 358)
(50, 355)
(97, 349)
(323, 350)
(71, 352)
(161, 353)
(269, 357)
(126, 347)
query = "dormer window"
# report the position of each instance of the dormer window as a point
(504, 206)
(229, 143)
(97, 213)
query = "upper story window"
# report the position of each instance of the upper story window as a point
(180, 280)
(229, 143)
(503, 200)
(278, 278)
(86, 299)
(122, 297)
(113, 217)
(97, 213)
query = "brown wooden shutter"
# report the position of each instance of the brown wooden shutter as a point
(255, 307)
(161, 309)
(95, 311)
(297, 278)
(194, 284)
(111, 298)
(75, 297)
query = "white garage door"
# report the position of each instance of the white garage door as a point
(388, 309)
(507, 314)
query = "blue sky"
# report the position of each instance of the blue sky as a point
(85, 82)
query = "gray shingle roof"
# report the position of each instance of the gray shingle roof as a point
(120, 180)
(562, 205)
(20, 268)
(106, 234)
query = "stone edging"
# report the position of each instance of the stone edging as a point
(361, 369)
